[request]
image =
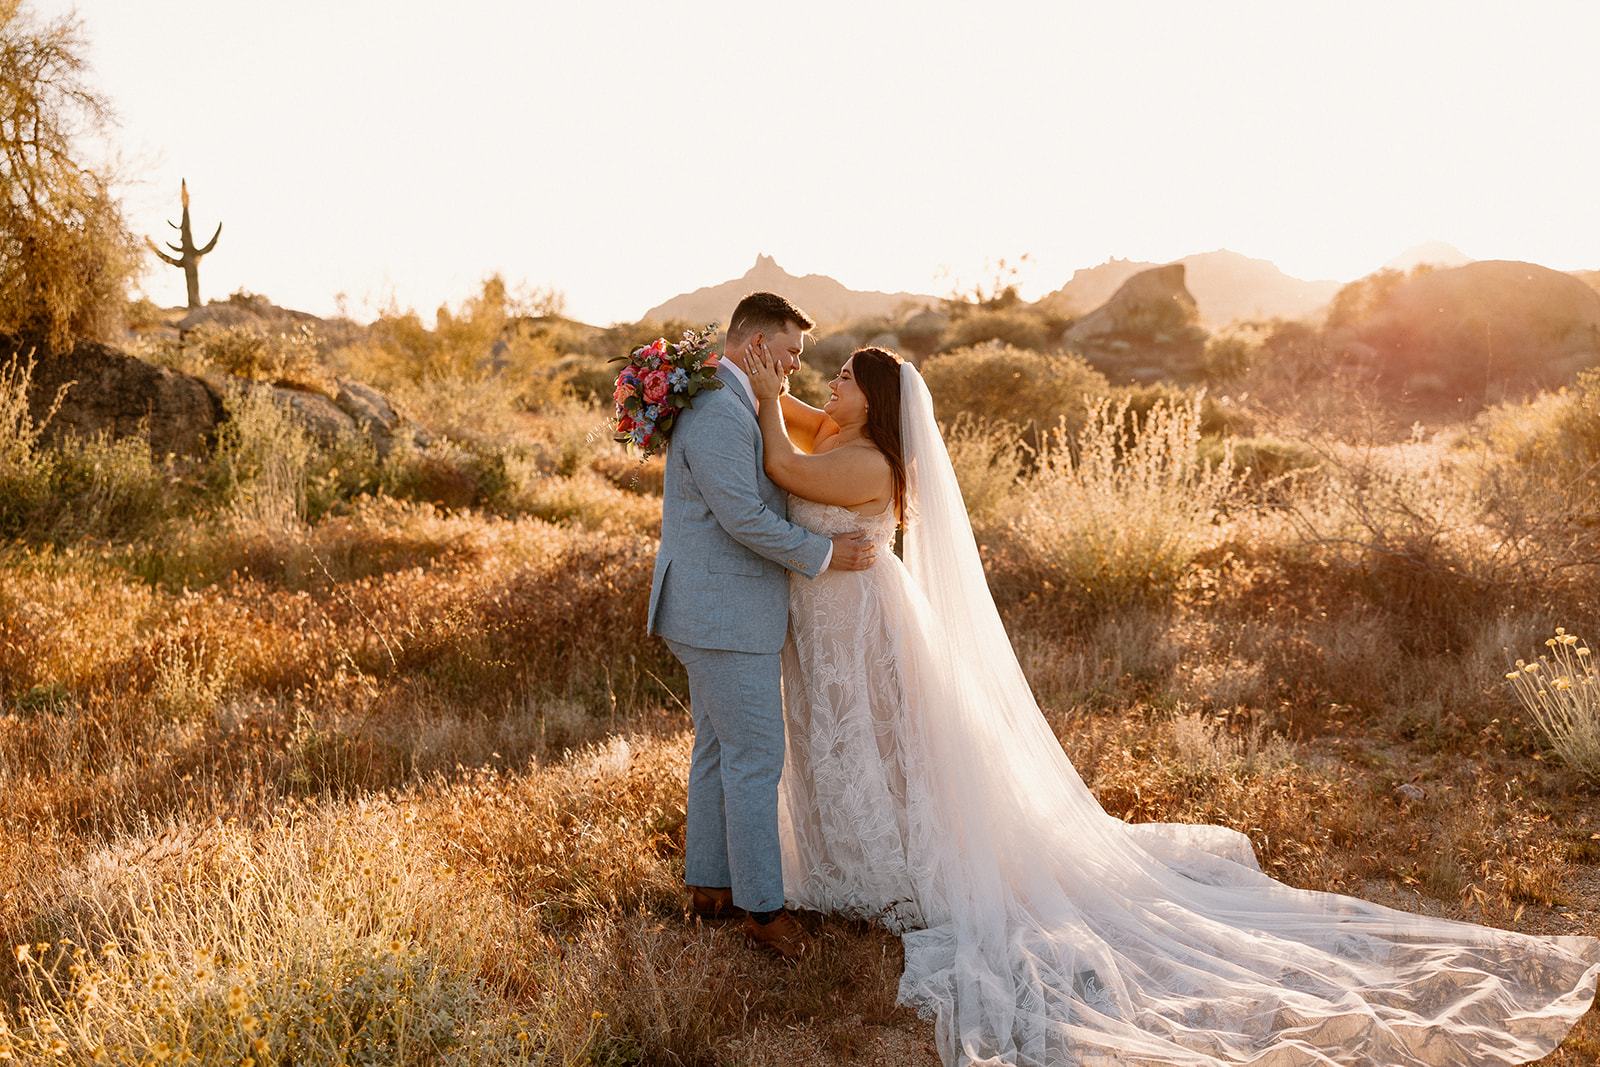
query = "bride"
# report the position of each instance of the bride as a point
(924, 790)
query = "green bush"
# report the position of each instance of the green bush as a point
(1019, 327)
(1003, 383)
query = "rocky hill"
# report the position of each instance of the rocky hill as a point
(1226, 286)
(1480, 333)
(823, 298)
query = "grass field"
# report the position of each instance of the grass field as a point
(367, 776)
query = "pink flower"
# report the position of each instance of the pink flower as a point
(624, 391)
(655, 385)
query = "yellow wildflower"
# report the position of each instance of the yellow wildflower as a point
(160, 1050)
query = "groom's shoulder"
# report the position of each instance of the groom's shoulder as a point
(711, 406)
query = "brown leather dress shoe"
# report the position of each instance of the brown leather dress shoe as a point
(783, 937)
(713, 905)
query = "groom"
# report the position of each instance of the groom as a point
(720, 599)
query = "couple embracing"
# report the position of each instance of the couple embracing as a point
(866, 744)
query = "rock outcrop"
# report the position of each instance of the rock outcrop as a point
(1149, 301)
(1225, 286)
(110, 392)
(1146, 331)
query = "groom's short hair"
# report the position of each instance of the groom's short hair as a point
(765, 313)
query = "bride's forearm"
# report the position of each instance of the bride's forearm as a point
(779, 453)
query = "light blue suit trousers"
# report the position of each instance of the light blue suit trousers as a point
(720, 599)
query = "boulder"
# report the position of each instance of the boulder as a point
(1144, 332)
(922, 332)
(321, 417)
(370, 410)
(110, 392)
(1151, 302)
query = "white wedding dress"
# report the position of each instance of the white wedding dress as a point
(924, 790)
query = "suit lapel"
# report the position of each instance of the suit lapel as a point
(730, 382)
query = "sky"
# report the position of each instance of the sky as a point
(363, 154)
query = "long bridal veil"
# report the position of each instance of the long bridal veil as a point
(1054, 933)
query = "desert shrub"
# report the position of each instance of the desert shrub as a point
(1407, 524)
(1019, 327)
(486, 337)
(1028, 389)
(288, 359)
(107, 488)
(1355, 302)
(1263, 462)
(587, 379)
(989, 458)
(466, 409)
(259, 467)
(1117, 517)
(24, 466)
(1550, 452)
(1217, 419)
(1233, 352)
(1562, 693)
(75, 488)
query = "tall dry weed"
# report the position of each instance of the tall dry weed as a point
(1118, 515)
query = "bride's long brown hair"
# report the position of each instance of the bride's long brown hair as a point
(877, 372)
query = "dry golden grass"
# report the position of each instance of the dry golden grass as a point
(410, 778)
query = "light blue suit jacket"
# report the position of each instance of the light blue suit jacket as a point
(726, 541)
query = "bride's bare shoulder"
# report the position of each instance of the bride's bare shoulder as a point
(834, 445)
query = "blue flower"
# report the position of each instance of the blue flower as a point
(639, 434)
(678, 378)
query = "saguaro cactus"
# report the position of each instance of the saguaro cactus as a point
(188, 255)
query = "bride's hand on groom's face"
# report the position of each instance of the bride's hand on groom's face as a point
(766, 377)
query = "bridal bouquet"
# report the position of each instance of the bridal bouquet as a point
(658, 381)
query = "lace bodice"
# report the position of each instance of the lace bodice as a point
(831, 519)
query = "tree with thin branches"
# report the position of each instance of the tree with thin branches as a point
(66, 257)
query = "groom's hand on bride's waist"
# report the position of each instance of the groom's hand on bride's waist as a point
(852, 551)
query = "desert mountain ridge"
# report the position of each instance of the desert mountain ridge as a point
(1226, 285)
(826, 300)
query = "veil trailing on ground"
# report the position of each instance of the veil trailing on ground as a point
(1054, 933)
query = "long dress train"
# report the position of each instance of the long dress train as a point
(924, 790)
